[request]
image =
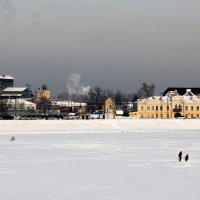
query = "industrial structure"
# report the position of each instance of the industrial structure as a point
(43, 92)
(6, 81)
(16, 92)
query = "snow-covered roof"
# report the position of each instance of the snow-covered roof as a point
(164, 99)
(188, 93)
(14, 89)
(6, 77)
(11, 95)
(172, 93)
(190, 99)
(68, 103)
(21, 101)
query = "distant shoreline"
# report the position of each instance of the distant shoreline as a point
(111, 125)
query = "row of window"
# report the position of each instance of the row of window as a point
(192, 108)
(154, 107)
(167, 116)
(192, 116)
(167, 107)
(155, 116)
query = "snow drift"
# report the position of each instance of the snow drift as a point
(114, 125)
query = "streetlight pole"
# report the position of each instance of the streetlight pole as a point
(15, 105)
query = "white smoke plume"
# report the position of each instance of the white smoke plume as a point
(74, 85)
(7, 10)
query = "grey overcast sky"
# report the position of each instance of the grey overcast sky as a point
(117, 44)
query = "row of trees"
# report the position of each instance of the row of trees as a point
(95, 96)
(98, 94)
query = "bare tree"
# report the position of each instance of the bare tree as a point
(91, 95)
(108, 93)
(22, 106)
(3, 107)
(98, 92)
(44, 104)
(146, 91)
(119, 98)
(63, 96)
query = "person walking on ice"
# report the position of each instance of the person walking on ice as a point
(186, 157)
(180, 156)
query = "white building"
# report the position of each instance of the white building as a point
(20, 104)
(67, 103)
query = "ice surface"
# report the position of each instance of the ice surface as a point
(116, 125)
(99, 166)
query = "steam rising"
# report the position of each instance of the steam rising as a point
(74, 85)
(6, 10)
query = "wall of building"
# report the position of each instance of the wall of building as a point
(5, 81)
(110, 108)
(167, 108)
(41, 93)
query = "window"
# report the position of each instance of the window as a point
(192, 115)
(161, 116)
(148, 107)
(192, 108)
(167, 116)
(186, 107)
(197, 108)
(152, 107)
(156, 107)
(148, 115)
(141, 115)
(161, 108)
(197, 115)
(168, 108)
(156, 115)
(152, 116)
(142, 108)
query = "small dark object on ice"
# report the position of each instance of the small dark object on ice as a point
(180, 156)
(186, 157)
(12, 138)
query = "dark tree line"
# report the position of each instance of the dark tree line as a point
(98, 94)
(3, 107)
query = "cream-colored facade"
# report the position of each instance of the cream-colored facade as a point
(110, 108)
(43, 94)
(169, 106)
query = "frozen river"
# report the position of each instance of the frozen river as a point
(100, 166)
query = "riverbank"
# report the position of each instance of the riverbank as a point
(114, 125)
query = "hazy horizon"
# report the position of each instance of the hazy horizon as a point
(114, 44)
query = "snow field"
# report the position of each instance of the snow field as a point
(92, 165)
(116, 125)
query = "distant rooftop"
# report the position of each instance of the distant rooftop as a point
(14, 89)
(182, 91)
(6, 77)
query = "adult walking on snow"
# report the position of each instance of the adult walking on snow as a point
(186, 157)
(180, 156)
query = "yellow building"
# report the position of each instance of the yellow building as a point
(110, 108)
(169, 106)
(43, 93)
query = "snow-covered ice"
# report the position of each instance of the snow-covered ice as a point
(115, 125)
(99, 166)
